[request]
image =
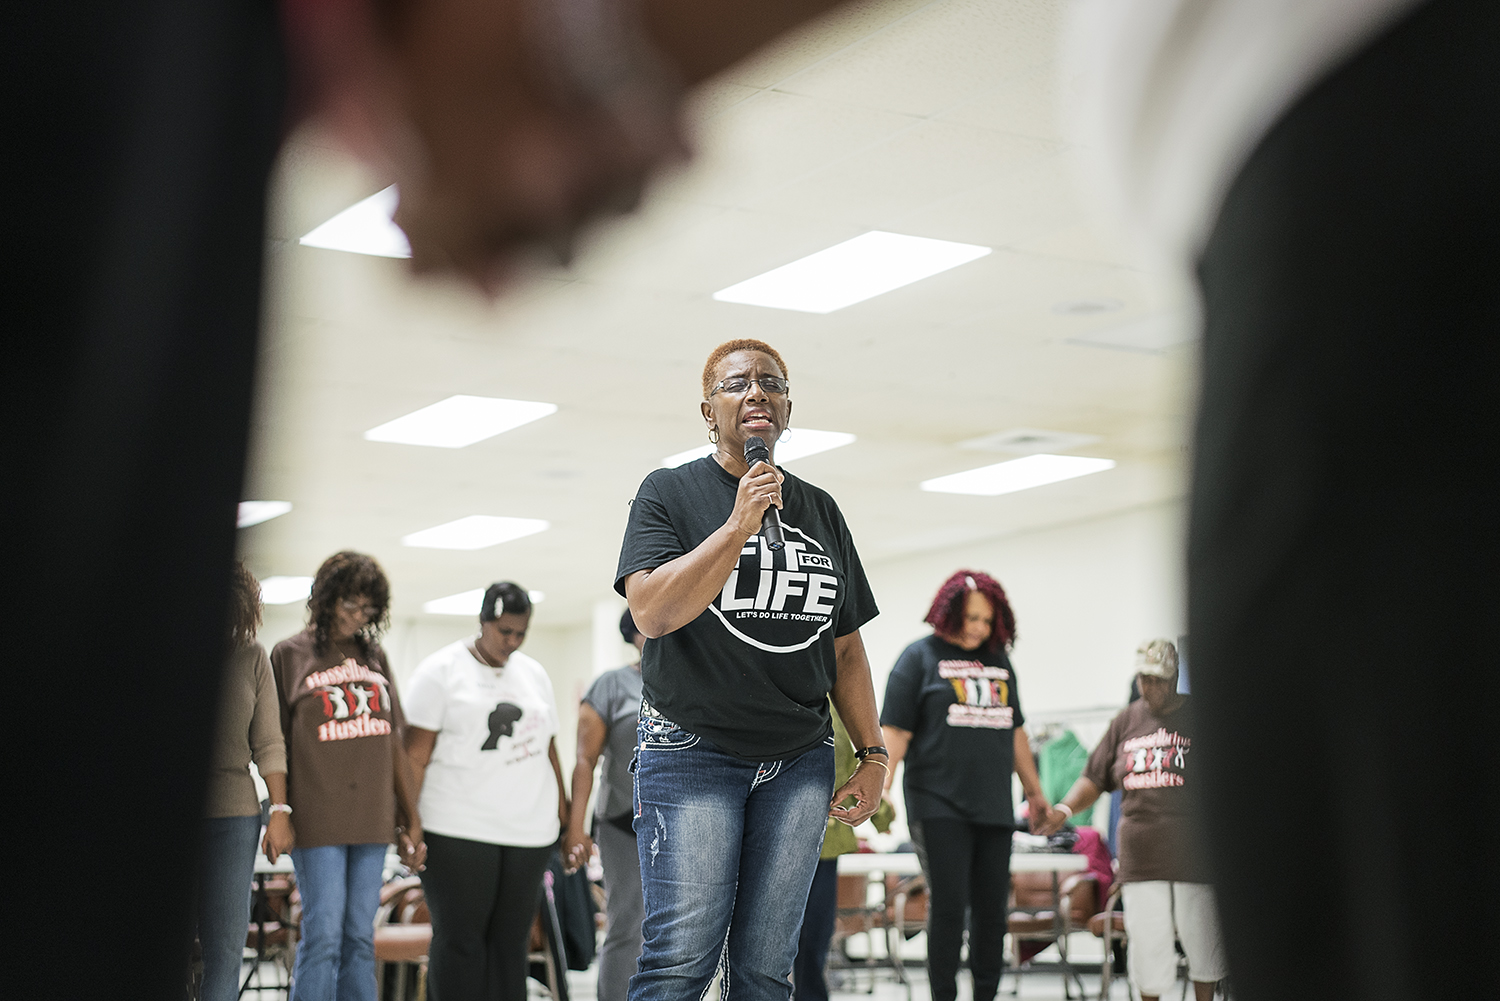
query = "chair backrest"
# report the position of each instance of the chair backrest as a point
(399, 888)
(1033, 891)
(394, 896)
(914, 914)
(854, 890)
(415, 910)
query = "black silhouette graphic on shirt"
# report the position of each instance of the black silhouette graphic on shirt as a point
(502, 724)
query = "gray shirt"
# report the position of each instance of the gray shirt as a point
(616, 697)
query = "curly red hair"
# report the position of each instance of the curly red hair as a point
(947, 612)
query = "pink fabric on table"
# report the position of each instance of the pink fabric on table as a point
(1093, 848)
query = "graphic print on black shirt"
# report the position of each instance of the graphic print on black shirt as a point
(752, 673)
(502, 723)
(962, 709)
(779, 602)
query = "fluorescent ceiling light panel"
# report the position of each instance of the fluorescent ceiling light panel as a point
(851, 272)
(1017, 474)
(467, 603)
(255, 512)
(285, 590)
(460, 421)
(364, 228)
(801, 443)
(477, 531)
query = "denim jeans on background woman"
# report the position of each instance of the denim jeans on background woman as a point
(340, 887)
(224, 902)
(728, 849)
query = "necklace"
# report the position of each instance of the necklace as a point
(483, 657)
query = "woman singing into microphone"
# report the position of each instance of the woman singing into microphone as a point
(744, 645)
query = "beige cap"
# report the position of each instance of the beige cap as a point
(1156, 659)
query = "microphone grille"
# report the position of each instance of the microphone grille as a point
(756, 450)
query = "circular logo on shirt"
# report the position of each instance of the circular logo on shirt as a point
(780, 602)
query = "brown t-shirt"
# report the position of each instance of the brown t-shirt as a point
(339, 714)
(1149, 757)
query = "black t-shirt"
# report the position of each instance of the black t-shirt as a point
(962, 709)
(753, 672)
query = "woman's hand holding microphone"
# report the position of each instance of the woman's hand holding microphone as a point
(759, 488)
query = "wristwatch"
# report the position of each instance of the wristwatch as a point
(865, 752)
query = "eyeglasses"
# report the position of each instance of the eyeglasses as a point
(369, 611)
(737, 384)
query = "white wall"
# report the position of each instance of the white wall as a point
(1085, 595)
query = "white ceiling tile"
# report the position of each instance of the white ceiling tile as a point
(930, 119)
(937, 57)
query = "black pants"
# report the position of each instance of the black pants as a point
(1344, 572)
(483, 898)
(968, 868)
(808, 980)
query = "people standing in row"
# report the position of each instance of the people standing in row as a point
(249, 729)
(607, 719)
(350, 782)
(482, 726)
(745, 644)
(1165, 882)
(953, 714)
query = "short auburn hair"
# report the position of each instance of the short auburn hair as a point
(730, 347)
(947, 612)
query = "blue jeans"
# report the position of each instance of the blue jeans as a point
(224, 877)
(727, 849)
(340, 886)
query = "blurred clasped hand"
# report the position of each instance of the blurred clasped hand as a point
(506, 124)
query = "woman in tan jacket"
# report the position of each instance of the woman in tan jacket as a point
(249, 730)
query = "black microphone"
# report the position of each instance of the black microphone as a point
(770, 526)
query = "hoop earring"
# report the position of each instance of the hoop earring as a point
(784, 435)
(713, 436)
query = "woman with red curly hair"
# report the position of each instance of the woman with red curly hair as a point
(953, 714)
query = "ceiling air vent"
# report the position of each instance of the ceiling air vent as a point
(1029, 441)
(1152, 335)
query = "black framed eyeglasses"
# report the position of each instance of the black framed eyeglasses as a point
(737, 384)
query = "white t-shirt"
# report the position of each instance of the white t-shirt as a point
(489, 778)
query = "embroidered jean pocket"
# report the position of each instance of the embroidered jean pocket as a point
(828, 741)
(655, 732)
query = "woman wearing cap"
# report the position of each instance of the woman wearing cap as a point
(953, 714)
(745, 645)
(482, 735)
(607, 719)
(349, 778)
(1147, 752)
